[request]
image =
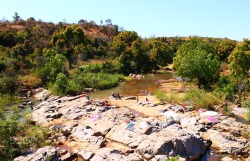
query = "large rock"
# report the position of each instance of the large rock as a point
(170, 141)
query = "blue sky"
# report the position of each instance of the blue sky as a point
(212, 18)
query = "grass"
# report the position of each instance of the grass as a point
(198, 98)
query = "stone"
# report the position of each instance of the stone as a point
(226, 159)
(85, 134)
(85, 154)
(40, 154)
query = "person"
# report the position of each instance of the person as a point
(137, 99)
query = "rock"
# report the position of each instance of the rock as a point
(225, 142)
(40, 154)
(67, 157)
(54, 115)
(85, 134)
(105, 154)
(170, 141)
(85, 154)
(226, 159)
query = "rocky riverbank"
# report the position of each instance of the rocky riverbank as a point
(124, 129)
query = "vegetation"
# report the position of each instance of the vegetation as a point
(17, 136)
(34, 53)
(196, 60)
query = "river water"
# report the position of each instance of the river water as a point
(144, 86)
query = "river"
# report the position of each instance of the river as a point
(144, 86)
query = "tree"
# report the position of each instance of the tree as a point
(16, 17)
(239, 65)
(196, 60)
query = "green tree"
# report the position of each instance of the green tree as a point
(196, 60)
(239, 65)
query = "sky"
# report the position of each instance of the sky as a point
(149, 18)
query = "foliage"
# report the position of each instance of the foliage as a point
(247, 115)
(161, 95)
(161, 53)
(172, 97)
(61, 84)
(54, 66)
(9, 126)
(196, 60)
(66, 41)
(7, 99)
